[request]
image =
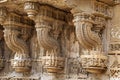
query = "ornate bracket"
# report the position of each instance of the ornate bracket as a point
(13, 37)
(44, 23)
(86, 37)
(89, 22)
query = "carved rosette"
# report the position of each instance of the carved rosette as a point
(96, 63)
(15, 41)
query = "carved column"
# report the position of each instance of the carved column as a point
(89, 22)
(14, 28)
(52, 60)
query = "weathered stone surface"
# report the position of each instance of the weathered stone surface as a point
(59, 39)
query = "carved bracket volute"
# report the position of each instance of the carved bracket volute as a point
(88, 26)
(13, 30)
(44, 23)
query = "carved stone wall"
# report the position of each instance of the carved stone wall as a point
(59, 39)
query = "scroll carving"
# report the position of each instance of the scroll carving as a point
(86, 37)
(45, 40)
(15, 44)
(52, 61)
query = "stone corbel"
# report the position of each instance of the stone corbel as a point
(12, 34)
(91, 44)
(88, 37)
(52, 61)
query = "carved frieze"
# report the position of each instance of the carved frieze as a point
(94, 63)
